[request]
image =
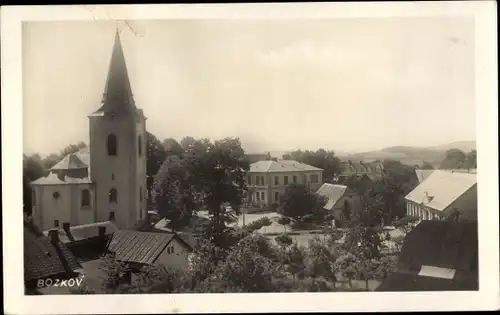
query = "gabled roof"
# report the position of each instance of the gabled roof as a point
(441, 188)
(53, 179)
(70, 161)
(42, 259)
(140, 247)
(333, 192)
(423, 174)
(84, 231)
(281, 166)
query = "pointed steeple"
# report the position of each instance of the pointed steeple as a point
(117, 97)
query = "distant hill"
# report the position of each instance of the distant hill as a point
(412, 155)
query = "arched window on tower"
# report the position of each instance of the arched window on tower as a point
(139, 145)
(113, 196)
(85, 198)
(112, 145)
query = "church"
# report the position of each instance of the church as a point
(105, 181)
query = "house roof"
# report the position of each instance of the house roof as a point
(441, 188)
(445, 244)
(42, 259)
(333, 192)
(437, 255)
(362, 166)
(280, 167)
(54, 179)
(85, 231)
(423, 174)
(140, 247)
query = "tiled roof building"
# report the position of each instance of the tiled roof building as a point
(444, 193)
(340, 199)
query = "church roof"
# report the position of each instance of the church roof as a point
(53, 179)
(80, 159)
(117, 97)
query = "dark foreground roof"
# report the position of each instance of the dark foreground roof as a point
(449, 248)
(140, 247)
(409, 282)
(44, 260)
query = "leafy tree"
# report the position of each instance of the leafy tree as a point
(172, 147)
(320, 256)
(471, 159)
(348, 265)
(454, 159)
(186, 142)
(299, 202)
(155, 156)
(284, 221)
(294, 260)
(284, 240)
(27, 196)
(247, 268)
(218, 171)
(174, 195)
(321, 158)
(33, 167)
(115, 272)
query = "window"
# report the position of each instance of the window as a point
(314, 178)
(262, 182)
(294, 179)
(276, 180)
(170, 250)
(85, 198)
(257, 180)
(112, 145)
(285, 180)
(112, 176)
(257, 196)
(56, 223)
(249, 180)
(276, 196)
(263, 196)
(111, 216)
(56, 195)
(139, 145)
(113, 196)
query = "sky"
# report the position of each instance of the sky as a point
(342, 84)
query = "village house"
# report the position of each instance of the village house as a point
(443, 194)
(139, 249)
(268, 180)
(422, 174)
(373, 170)
(341, 202)
(108, 182)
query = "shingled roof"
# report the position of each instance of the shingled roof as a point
(441, 188)
(84, 231)
(281, 166)
(140, 247)
(43, 260)
(54, 179)
(333, 192)
(437, 255)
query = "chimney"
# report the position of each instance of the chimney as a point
(54, 236)
(66, 227)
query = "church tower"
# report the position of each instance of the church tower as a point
(118, 149)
